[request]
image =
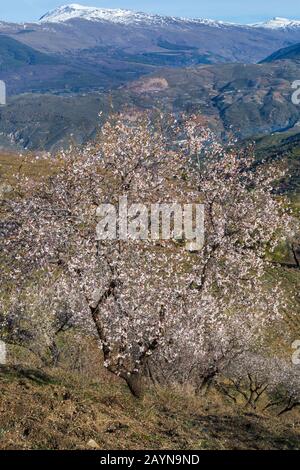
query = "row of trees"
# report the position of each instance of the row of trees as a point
(155, 307)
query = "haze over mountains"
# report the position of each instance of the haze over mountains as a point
(79, 57)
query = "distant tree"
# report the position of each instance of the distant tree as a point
(265, 382)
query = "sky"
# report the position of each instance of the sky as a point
(229, 10)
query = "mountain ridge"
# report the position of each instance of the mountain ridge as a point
(123, 16)
(136, 37)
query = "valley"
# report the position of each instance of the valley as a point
(55, 94)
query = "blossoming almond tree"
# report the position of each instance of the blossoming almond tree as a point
(270, 383)
(243, 222)
(152, 296)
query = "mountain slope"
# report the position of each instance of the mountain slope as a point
(25, 69)
(245, 100)
(287, 53)
(49, 122)
(278, 146)
(14, 54)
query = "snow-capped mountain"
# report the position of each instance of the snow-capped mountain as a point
(76, 11)
(127, 17)
(119, 45)
(278, 23)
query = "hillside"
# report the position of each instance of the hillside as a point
(244, 99)
(74, 403)
(247, 100)
(14, 54)
(281, 145)
(287, 53)
(47, 122)
(25, 69)
(41, 411)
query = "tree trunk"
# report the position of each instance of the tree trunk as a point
(54, 355)
(206, 383)
(136, 384)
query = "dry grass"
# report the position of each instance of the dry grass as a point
(39, 411)
(34, 166)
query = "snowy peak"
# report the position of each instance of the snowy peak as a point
(278, 23)
(76, 11)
